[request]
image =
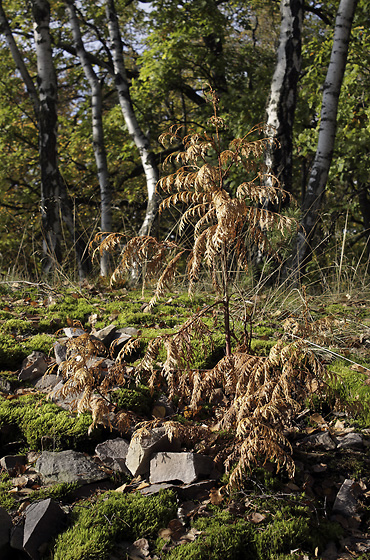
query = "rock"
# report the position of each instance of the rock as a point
(132, 331)
(33, 367)
(156, 488)
(5, 385)
(106, 335)
(197, 491)
(16, 535)
(350, 441)
(43, 520)
(186, 467)
(60, 352)
(113, 453)
(321, 440)
(73, 332)
(12, 463)
(68, 466)
(5, 527)
(162, 407)
(68, 402)
(143, 446)
(346, 502)
(47, 382)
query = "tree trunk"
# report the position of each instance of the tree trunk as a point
(97, 130)
(283, 95)
(140, 139)
(55, 203)
(324, 153)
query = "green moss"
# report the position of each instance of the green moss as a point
(286, 527)
(17, 326)
(352, 391)
(40, 422)
(6, 500)
(96, 527)
(11, 352)
(138, 399)
(55, 491)
(40, 342)
(76, 309)
(262, 347)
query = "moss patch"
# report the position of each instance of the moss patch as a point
(138, 399)
(42, 424)
(113, 517)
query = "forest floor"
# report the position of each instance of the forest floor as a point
(270, 515)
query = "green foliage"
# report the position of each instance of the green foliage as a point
(113, 517)
(353, 392)
(40, 342)
(54, 491)
(6, 500)
(138, 399)
(286, 526)
(39, 421)
(11, 352)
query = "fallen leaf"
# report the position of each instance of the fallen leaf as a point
(256, 517)
(142, 485)
(121, 488)
(216, 496)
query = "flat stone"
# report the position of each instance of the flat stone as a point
(346, 502)
(43, 520)
(106, 335)
(321, 440)
(156, 488)
(11, 463)
(197, 491)
(47, 382)
(142, 448)
(350, 441)
(113, 453)
(60, 352)
(33, 367)
(5, 527)
(68, 466)
(5, 385)
(186, 467)
(73, 332)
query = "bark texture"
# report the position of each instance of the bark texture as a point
(97, 130)
(324, 153)
(283, 95)
(141, 141)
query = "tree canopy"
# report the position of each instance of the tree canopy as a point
(170, 54)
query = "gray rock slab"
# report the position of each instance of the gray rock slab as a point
(350, 441)
(346, 501)
(132, 331)
(196, 491)
(73, 332)
(142, 448)
(43, 520)
(5, 385)
(113, 453)
(35, 367)
(68, 466)
(106, 335)
(321, 440)
(186, 467)
(60, 352)
(16, 535)
(12, 462)
(47, 382)
(156, 488)
(5, 527)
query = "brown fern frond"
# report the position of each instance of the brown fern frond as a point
(164, 279)
(129, 348)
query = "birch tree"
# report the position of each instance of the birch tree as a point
(328, 120)
(283, 95)
(55, 204)
(97, 129)
(141, 140)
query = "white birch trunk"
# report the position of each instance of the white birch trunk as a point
(283, 95)
(325, 146)
(97, 130)
(141, 141)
